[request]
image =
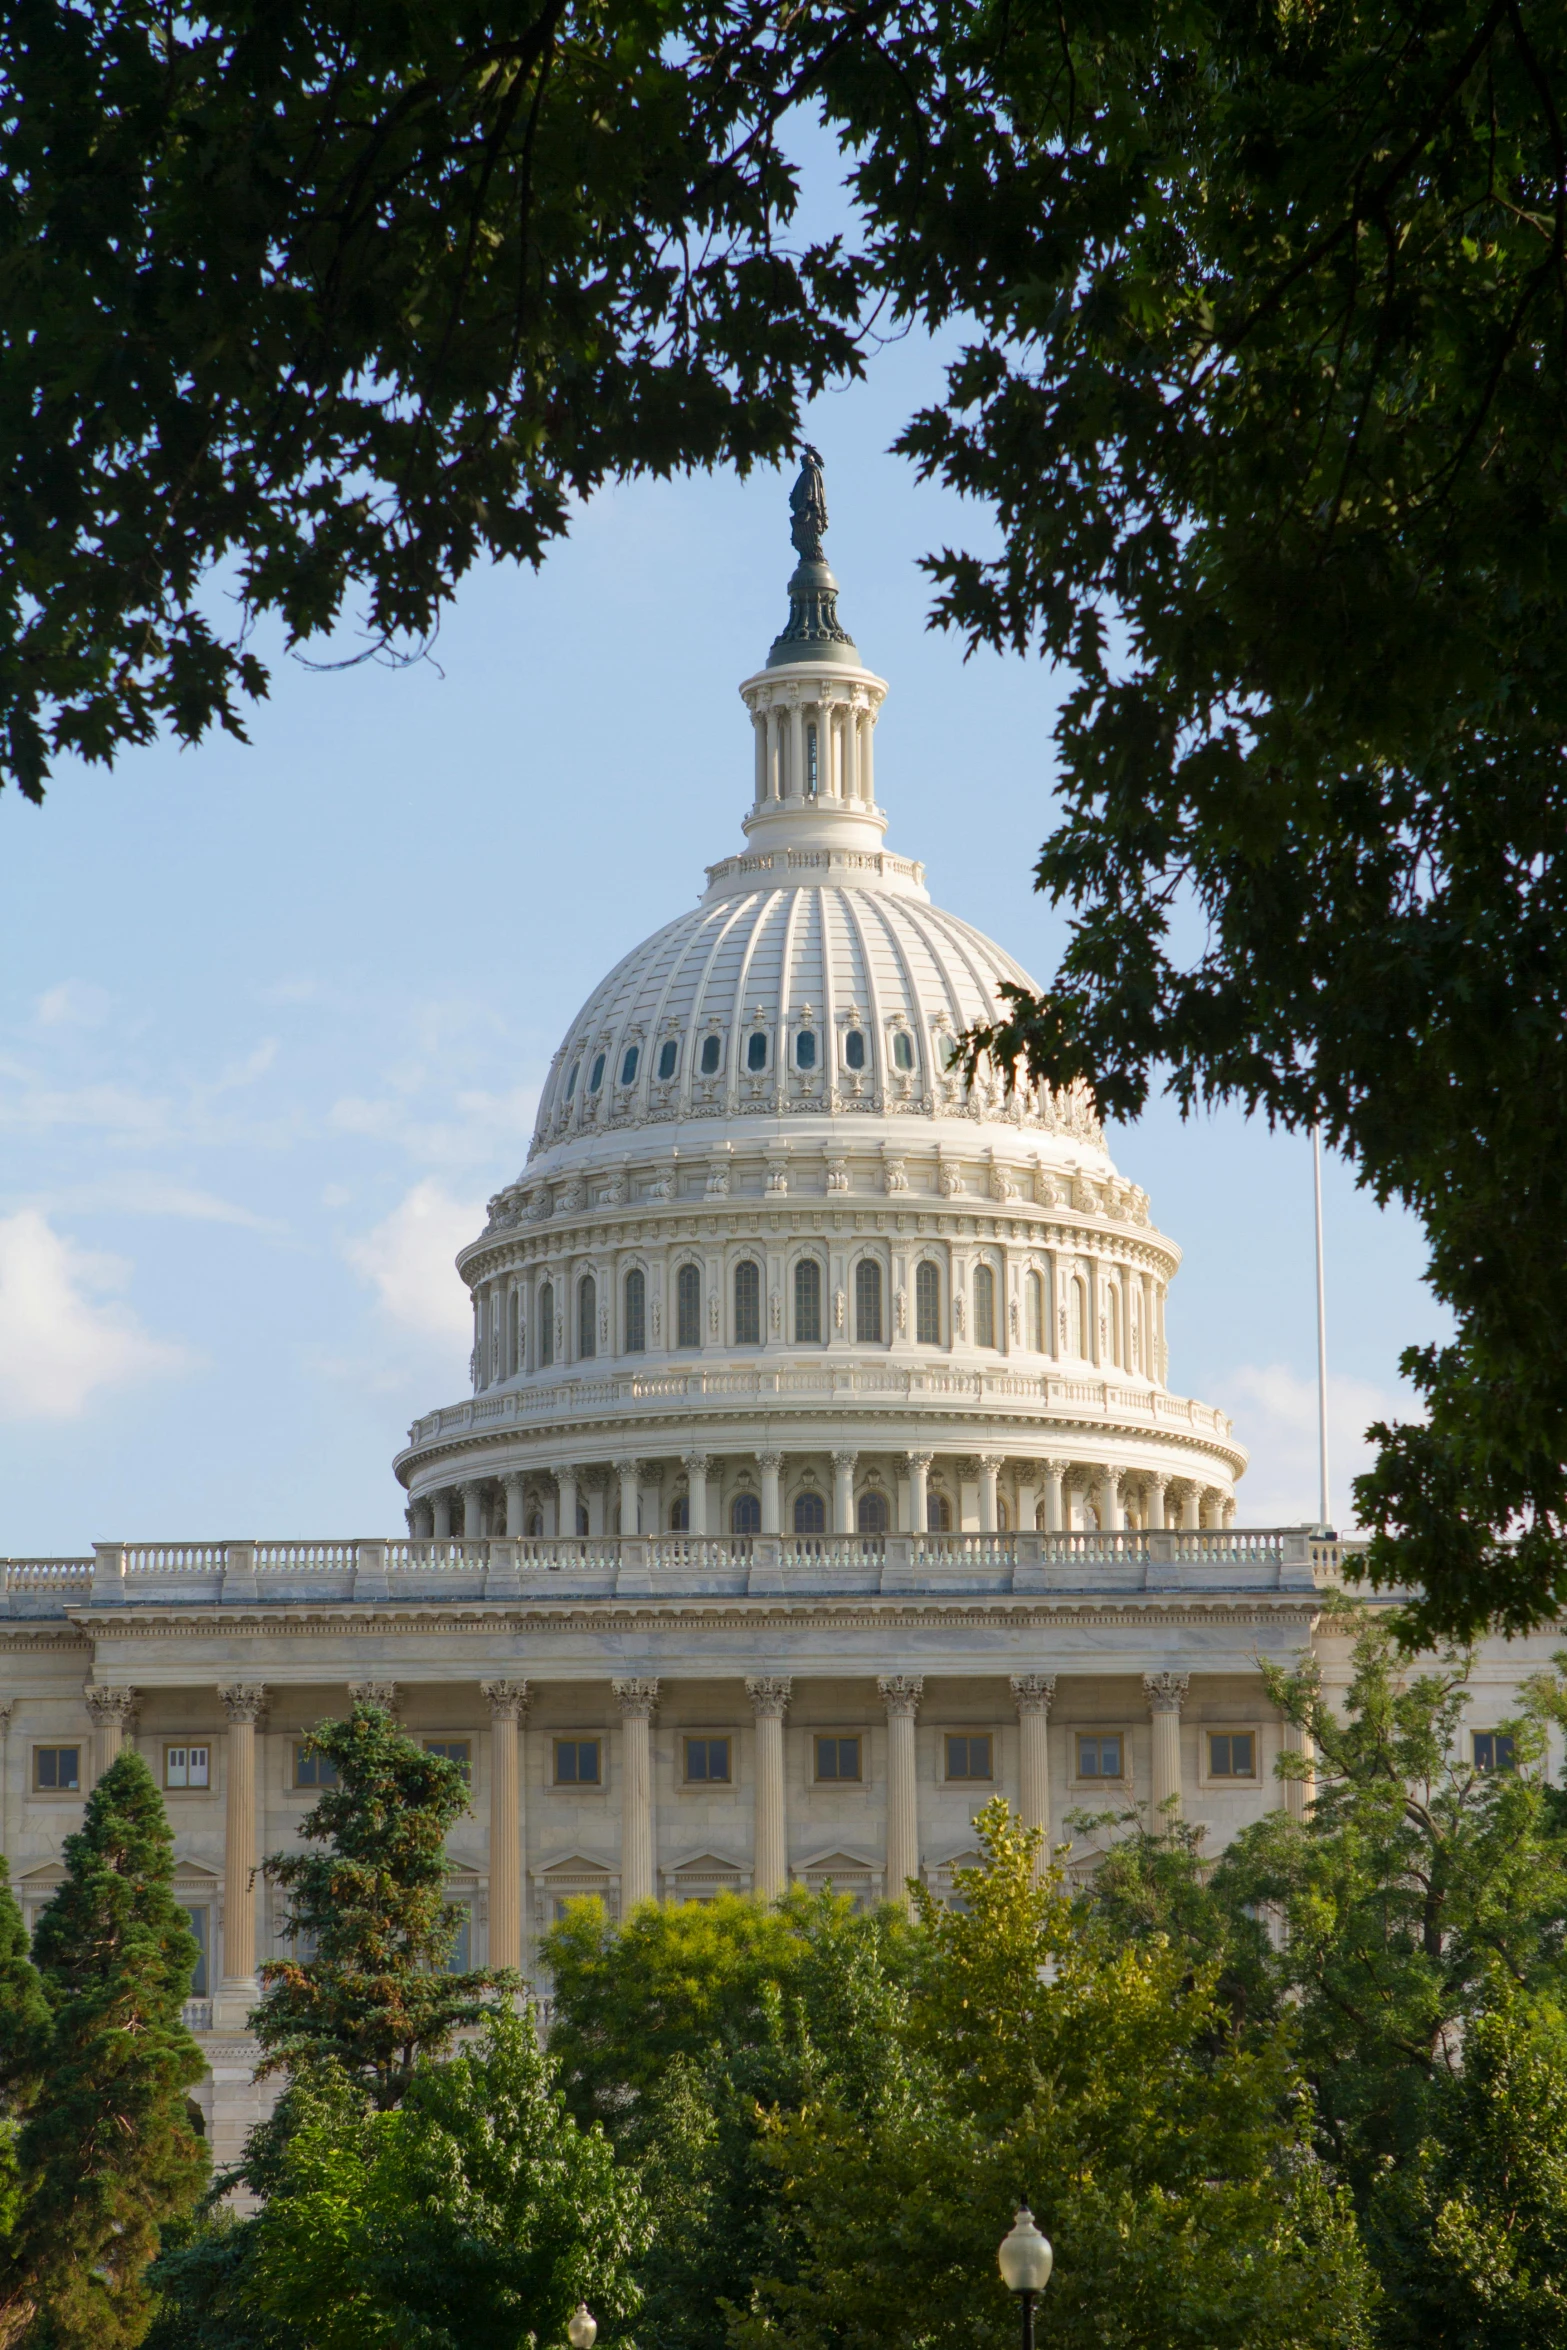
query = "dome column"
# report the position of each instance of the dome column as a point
(769, 1463)
(626, 1471)
(1154, 1490)
(1111, 1519)
(696, 1487)
(473, 1509)
(441, 1514)
(843, 1464)
(515, 1514)
(918, 1464)
(989, 1473)
(566, 1487)
(1055, 1496)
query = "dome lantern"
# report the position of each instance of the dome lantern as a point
(814, 708)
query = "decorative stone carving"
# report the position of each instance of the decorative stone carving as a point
(901, 1694)
(895, 1176)
(769, 1693)
(637, 1696)
(381, 1693)
(1033, 1693)
(837, 1174)
(1166, 1692)
(507, 1699)
(111, 1708)
(243, 1701)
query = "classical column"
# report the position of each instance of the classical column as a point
(1300, 1794)
(1033, 1693)
(1166, 1694)
(989, 1472)
(1155, 1489)
(566, 1485)
(441, 1514)
(5, 1778)
(696, 1491)
(244, 1702)
(868, 758)
(1110, 1518)
(769, 1695)
(843, 1492)
(473, 1509)
(515, 1505)
(796, 775)
(918, 1464)
(626, 1471)
(851, 752)
(508, 1704)
(1055, 1496)
(769, 1463)
(112, 1712)
(637, 1700)
(900, 1693)
(1191, 1507)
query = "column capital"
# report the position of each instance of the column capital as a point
(695, 1464)
(990, 1464)
(1054, 1466)
(243, 1701)
(626, 1464)
(901, 1694)
(769, 1693)
(507, 1700)
(918, 1460)
(771, 1461)
(1033, 1693)
(514, 1480)
(381, 1693)
(637, 1697)
(1166, 1692)
(111, 1708)
(1160, 1477)
(6, 1705)
(844, 1460)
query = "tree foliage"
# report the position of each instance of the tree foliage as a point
(107, 2151)
(1265, 383)
(372, 1909)
(338, 300)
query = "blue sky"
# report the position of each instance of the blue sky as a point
(273, 1018)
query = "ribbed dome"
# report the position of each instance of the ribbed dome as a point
(805, 996)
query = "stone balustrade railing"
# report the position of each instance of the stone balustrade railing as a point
(1232, 1559)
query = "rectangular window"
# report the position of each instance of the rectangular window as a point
(57, 1770)
(577, 1762)
(1232, 1754)
(1494, 1751)
(707, 1762)
(837, 1758)
(927, 1304)
(457, 1750)
(198, 1921)
(808, 1302)
(969, 1757)
(1099, 1755)
(461, 1958)
(314, 1770)
(187, 1766)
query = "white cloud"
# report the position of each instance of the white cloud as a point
(61, 1340)
(140, 1194)
(75, 1003)
(472, 1138)
(1275, 1414)
(408, 1259)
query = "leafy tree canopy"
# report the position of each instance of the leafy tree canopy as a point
(342, 299)
(1265, 382)
(372, 1909)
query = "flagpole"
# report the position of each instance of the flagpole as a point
(1324, 1517)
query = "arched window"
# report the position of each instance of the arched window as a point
(546, 1325)
(1036, 1313)
(587, 1315)
(628, 1065)
(745, 1514)
(571, 1082)
(535, 1525)
(810, 1514)
(938, 1514)
(712, 1052)
(680, 1514)
(867, 1302)
(854, 1049)
(668, 1057)
(807, 1302)
(748, 1303)
(756, 1049)
(636, 1311)
(582, 1517)
(984, 1306)
(805, 1049)
(596, 1073)
(1002, 1520)
(688, 1306)
(1113, 1322)
(870, 1513)
(1079, 1315)
(927, 1304)
(902, 1049)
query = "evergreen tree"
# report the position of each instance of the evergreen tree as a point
(24, 2011)
(108, 2150)
(371, 1906)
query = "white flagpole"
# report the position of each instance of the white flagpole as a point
(1323, 1511)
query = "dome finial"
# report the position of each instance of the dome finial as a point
(813, 631)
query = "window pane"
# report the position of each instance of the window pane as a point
(902, 1049)
(927, 1305)
(596, 1073)
(1494, 1751)
(546, 1325)
(176, 1767)
(756, 1049)
(808, 1302)
(867, 1302)
(668, 1055)
(58, 1768)
(688, 1306)
(748, 1303)
(457, 1750)
(810, 1513)
(571, 1082)
(938, 1514)
(711, 1048)
(871, 1513)
(680, 1514)
(1036, 1313)
(587, 1315)
(746, 1515)
(984, 1306)
(628, 1065)
(1099, 1757)
(577, 1762)
(314, 1770)
(968, 1757)
(854, 1049)
(707, 1762)
(636, 1312)
(837, 1758)
(805, 1049)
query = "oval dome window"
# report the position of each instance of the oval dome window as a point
(628, 1066)
(668, 1054)
(756, 1049)
(902, 1049)
(711, 1048)
(596, 1073)
(571, 1082)
(805, 1048)
(854, 1049)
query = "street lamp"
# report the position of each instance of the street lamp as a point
(582, 2328)
(1025, 2260)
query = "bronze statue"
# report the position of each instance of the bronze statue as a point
(808, 507)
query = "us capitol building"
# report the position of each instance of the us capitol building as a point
(820, 1476)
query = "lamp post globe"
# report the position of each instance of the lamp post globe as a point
(1025, 2261)
(582, 2328)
